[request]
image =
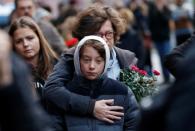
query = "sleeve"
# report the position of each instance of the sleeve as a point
(126, 57)
(19, 111)
(182, 94)
(176, 57)
(57, 116)
(58, 122)
(132, 112)
(132, 58)
(55, 89)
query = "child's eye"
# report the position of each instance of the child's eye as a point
(86, 60)
(99, 60)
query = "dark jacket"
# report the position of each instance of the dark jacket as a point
(19, 111)
(131, 41)
(55, 92)
(159, 23)
(177, 56)
(173, 109)
(99, 88)
(104, 88)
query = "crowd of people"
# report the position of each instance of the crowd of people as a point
(56, 77)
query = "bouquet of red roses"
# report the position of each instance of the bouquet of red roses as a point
(139, 81)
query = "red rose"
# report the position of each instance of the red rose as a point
(134, 68)
(156, 72)
(143, 72)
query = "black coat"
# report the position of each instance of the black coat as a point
(178, 55)
(173, 109)
(19, 111)
(56, 92)
(159, 23)
(104, 88)
(131, 41)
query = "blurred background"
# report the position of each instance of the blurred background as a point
(61, 13)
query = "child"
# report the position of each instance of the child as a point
(91, 60)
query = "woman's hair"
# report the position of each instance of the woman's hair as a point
(96, 45)
(91, 19)
(47, 56)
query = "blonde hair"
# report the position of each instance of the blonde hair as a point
(128, 17)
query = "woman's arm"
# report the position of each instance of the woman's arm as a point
(55, 92)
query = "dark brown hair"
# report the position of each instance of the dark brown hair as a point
(91, 19)
(96, 45)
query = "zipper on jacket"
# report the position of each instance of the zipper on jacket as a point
(92, 88)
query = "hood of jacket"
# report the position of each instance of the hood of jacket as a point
(77, 50)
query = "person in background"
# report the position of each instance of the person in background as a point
(160, 25)
(30, 43)
(173, 109)
(65, 11)
(66, 28)
(28, 8)
(19, 111)
(183, 21)
(6, 7)
(130, 39)
(140, 10)
(91, 59)
(177, 56)
(102, 21)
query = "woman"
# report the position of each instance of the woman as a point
(30, 43)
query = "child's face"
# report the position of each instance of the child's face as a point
(91, 63)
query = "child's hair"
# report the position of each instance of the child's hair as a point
(96, 45)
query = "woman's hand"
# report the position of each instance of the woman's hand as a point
(104, 111)
(5, 62)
